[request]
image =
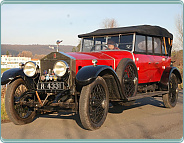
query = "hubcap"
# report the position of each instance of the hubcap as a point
(103, 104)
(177, 90)
(135, 80)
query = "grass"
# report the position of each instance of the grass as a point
(181, 85)
(4, 69)
(4, 116)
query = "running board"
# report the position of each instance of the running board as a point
(148, 94)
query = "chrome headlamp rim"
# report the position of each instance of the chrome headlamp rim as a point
(65, 71)
(35, 69)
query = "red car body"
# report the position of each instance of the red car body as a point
(150, 67)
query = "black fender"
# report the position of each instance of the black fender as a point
(164, 81)
(12, 74)
(88, 74)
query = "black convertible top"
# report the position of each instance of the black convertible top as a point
(140, 29)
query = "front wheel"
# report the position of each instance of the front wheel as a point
(94, 104)
(171, 98)
(17, 113)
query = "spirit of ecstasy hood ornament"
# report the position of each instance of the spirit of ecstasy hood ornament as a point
(58, 42)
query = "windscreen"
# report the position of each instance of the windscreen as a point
(119, 42)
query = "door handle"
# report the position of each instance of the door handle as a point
(157, 63)
(149, 62)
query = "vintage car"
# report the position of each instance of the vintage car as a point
(115, 65)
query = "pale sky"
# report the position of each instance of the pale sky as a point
(46, 23)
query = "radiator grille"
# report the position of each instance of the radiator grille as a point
(48, 61)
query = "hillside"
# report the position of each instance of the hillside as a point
(35, 49)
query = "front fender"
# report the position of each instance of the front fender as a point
(88, 74)
(11, 74)
(166, 75)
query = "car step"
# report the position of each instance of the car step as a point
(148, 94)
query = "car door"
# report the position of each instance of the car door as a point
(158, 59)
(143, 60)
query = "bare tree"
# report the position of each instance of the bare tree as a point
(25, 54)
(38, 56)
(77, 49)
(109, 23)
(179, 31)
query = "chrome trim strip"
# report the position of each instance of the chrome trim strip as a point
(133, 43)
(72, 72)
(112, 58)
(81, 46)
(67, 55)
(133, 47)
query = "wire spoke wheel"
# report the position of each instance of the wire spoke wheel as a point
(96, 103)
(171, 98)
(173, 90)
(15, 96)
(129, 80)
(22, 110)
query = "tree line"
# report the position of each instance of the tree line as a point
(28, 54)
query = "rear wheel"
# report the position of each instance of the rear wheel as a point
(17, 113)
(94, 104)
(171, 98)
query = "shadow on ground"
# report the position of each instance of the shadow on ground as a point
(62, 115)
(138, 103)
(116, 109)
(154, 101)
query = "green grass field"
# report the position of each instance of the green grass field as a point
(4, 69)
(4, 116)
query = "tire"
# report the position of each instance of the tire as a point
(128, 77)
(171, 98)
(18, 114)
(94, 104)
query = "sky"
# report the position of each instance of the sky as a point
(47, 23)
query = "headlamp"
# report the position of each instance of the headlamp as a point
(60, 68)
(30, 69)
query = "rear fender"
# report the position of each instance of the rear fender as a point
(166, 76)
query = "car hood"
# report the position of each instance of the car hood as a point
(108, 58)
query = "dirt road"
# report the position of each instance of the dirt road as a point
(146, 119)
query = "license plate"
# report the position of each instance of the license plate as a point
(50, 86)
